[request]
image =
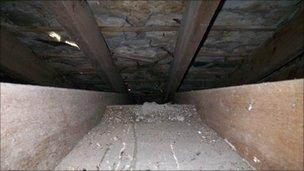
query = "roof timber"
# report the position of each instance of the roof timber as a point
(78, 20)
(284, 46)
(146, 28)
(21, 62)
(195, 26)
(114, 56)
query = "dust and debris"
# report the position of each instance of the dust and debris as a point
(231, 145)
(256, 160)
(159, 145)
(121, 154)
(153, 112)
(250, 107)
(174, 156)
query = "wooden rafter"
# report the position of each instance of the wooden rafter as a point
(78, 20)
(195, 24)
(284, 46)
(19, 61)
(147, 28)
(81, 55)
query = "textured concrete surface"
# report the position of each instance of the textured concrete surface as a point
(263, 121)
(40, 125)
(152, 137)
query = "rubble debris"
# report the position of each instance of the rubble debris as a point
(153, 112)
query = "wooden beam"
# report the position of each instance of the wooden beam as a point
(133, 57)
(220, 54)
(78, 20)
(284, 46)
(292, 70)
(101, 28)
(139, 28)
(242, 28)
(19, 61)
(81, 55)
(146, 28)
(61, 55)
(196, 20)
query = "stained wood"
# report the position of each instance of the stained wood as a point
(155, 28)
(195, 23)
(41, 125)
(20, 62)
(133, 57)
(285, 45)
(264, 122)
(78, 20)
(81, 55)
(293, 70)
(242, 28)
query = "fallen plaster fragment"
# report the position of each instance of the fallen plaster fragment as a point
(120, 154)
(256, 160)
(176, 161)
(98, 144)
(250, 107)
(248, 163)
(122, 149)
(231, 145)
(212, 141)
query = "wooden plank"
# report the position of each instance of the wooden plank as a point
(264, 122)
(139, 28)
(242, 28)
(81, 55)
(146, 28)
(78, 20)
(19, 61)
(61, 55)
(285, 45)
(195, 23)
(133, 57)
(102, 28)
(221, 54)
(292, 70)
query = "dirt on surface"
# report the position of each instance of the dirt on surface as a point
(152, 137)
(153, 112)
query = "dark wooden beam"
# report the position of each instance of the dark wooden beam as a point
(242, 28)
(139, 28)
(221, 54)
(78, 20)
(81, 55)
(284, 46)
(196, 24)
(21, 63)
(101, 28)
(292, 70)
(147, 28)
(133, 57)
(61, 55)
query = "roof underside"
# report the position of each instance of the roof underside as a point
(143, 51)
